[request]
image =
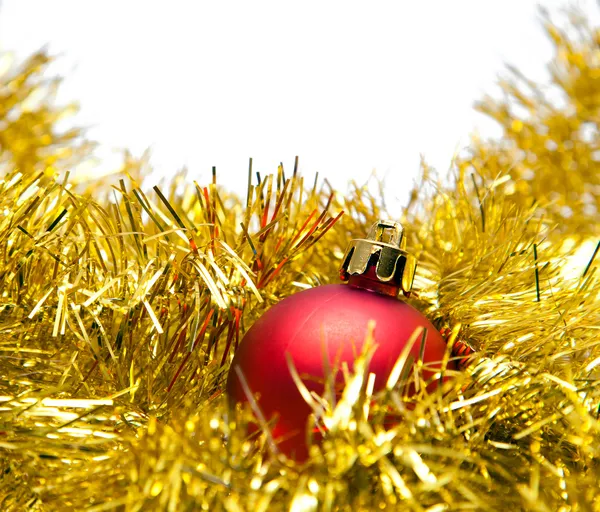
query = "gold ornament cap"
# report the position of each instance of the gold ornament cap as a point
(380, 262)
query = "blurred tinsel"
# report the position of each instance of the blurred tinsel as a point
(121, 308)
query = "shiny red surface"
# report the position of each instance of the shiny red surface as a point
(328, 319)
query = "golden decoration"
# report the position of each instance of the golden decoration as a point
(121, 307)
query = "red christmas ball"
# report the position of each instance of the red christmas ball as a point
(330, 320)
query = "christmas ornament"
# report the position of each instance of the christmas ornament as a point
(461, 349)
(332, 320)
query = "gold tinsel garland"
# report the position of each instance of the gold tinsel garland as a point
(120, 312)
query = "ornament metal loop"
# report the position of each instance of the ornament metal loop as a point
(381, 258)
(395, 230)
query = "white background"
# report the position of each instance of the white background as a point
(348, 86)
